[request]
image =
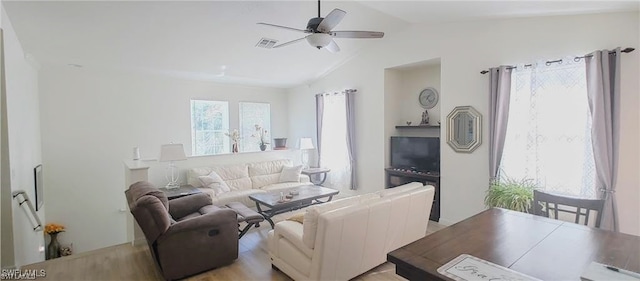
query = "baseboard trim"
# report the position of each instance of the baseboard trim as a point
(139, 242)
(446, 222)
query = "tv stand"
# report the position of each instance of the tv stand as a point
(396, 177)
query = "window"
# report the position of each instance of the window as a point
(254, 114)
(549, 129)
(209, 122)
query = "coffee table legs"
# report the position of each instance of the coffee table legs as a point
(322, 176)
(267, 216)
(318, 200)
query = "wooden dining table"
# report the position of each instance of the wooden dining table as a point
(537, 246)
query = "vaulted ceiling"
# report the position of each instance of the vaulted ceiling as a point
(216, 40)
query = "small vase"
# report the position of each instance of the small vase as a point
(263, 147)
(234, 147)
(53, 249)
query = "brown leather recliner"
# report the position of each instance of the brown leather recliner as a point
(186, 235)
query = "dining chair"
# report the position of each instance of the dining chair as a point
(580, 207)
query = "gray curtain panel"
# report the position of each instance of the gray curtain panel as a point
(603, 89)
(351, 134)
(499, 95)
(319, 114)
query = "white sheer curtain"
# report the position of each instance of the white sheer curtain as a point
(548, 136)
(334, 154)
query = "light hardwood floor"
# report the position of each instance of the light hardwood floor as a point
(126, 262)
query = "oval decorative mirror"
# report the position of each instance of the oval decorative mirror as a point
(464, 129)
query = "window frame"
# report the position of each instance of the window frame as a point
(247, 133)
(225, 147)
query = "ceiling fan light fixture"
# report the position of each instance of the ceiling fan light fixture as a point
(319, 40)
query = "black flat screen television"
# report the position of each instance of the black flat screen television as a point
(416, 153)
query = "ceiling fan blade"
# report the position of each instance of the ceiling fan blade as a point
(284, 27)
(332, 47)
(290, 42)
(357, 34)
(331, 20)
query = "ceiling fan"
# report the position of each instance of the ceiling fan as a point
(321, 34)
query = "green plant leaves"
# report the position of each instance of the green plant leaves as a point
(511, 194)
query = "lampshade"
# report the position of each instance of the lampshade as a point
(306, 143)
(172, 152)
(319, 40)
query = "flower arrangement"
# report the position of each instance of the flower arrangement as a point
(261, 134)
(53, 228)
(234, 135)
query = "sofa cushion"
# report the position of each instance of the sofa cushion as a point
(236, 176)
(265, 180)
(239, 184)
(204, 210)
(215, 182)
(241, 196)
(266, 172)
(292, 231)
(310, 221)
(268, 167)
(290, 174)
(297, 218)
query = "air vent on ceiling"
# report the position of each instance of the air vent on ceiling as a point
(266, 43)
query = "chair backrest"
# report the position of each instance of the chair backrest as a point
(150, 207)
(579, 207)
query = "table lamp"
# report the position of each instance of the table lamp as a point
(305, 145)
(171, 153)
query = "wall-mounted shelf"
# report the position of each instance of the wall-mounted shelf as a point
(417, 127)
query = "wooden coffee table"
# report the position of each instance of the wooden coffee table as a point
(307, 195)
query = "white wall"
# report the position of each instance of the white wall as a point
(24, 141)
(301, 104)
(6, 217)
(412, 81)
(465, 49)
(402, 88)
(91, 120)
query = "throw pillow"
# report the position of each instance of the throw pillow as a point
(297, 218)
(215, 182)
(290, 174)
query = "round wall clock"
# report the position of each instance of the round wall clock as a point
(428, 98)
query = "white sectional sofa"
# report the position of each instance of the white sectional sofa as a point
(342, 239)
(245, 179)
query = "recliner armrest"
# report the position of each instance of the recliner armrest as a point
(183, 206)
(292, 231)
(210, 220)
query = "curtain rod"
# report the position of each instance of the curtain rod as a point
(625, 50)
(338, 92)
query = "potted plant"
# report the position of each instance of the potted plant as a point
(511, 194)
(261, 134)
(235, 138)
